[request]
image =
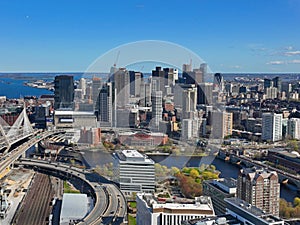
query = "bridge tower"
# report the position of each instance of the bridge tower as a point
(11, 134)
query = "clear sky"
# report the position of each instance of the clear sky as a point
(230, 35)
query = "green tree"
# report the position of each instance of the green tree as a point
(194, 173)
(297, 202)
(175, 170)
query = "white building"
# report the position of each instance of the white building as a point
(74, 208)
(150, 212)
(271, 127)
(221, 124)
(134, 172)
(294, 128)
(156, 109)
(65, 119)
(190, 128)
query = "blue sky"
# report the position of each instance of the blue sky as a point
(230, 35)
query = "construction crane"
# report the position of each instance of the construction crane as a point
(118, 55)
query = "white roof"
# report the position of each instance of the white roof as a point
(72, 113)
(74, 207)
(183, 206)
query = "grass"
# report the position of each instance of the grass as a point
(69, 189)
(132, 204)
(131, 220)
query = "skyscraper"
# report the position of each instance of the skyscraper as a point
(221, 124)
(294, 128)
(189, 101)
(156, 109)
(96, 85)
(259, 188)
(82, 86)
(204, 91)
(218, 82)
(277, 83)
(64, 92)
(122, 87)
(135, 82)
(271, 127)
(104, 104)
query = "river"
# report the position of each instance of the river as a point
(94, 158)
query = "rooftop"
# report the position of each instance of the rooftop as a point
(72, 113)
(74, 207)
(200, 203)
(132, 156)
(248, 208)
(223, 219)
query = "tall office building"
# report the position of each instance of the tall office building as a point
(104, 104)
(145, 94)
(82, 86)
(205, 91)
(171, 75)
(203, 68)
(271, 127)
(133, 172)
(96, 85)
(268, 83)
(135, 82)
(218, 82)
(221, 124)
(271, 92)
(64, 92)
(159, 76)
(194, 76)
(259, 188)
(189, 101)
(122, 87)
(156, 109)
(277, 83)
(294, 128)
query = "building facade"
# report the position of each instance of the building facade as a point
(294, 128)
(271, 127)
(150, 212)
(134, 172)
(221, 124)
(219, 190)
(259, 188)
(249, 214)
(64, 92)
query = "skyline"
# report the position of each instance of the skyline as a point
(232, 36)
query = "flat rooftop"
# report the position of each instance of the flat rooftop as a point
(133, 156)
(246, 206)
(72, 113)
(74, 207)
(252, 210)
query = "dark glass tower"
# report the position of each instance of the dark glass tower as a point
(64, 92)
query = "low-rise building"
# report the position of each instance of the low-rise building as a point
(150, 212)
(142, 138)
(249, 214)
(218, 190)
(74, 119)
(74, 208)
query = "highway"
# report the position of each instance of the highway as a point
(7, 159)
(110, 204)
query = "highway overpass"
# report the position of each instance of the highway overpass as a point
(110, 204)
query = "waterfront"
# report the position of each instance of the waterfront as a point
(94, 158)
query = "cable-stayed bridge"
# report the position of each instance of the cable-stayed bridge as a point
(11, 134)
